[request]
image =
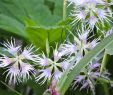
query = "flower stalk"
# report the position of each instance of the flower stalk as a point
(64, 9)
(104, 62)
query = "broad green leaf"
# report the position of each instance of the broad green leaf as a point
(11, 25)
(68, 77)
(14, 14)
(39, 35)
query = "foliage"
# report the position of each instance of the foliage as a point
(54, 27)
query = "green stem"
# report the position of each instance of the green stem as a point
(64, 9)
(106, 90)
(104, 62)
(47, 47)
(104, 82)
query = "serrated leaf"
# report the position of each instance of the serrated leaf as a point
(68, 77)
(35, 10)
(16, 15)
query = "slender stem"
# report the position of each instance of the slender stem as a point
(104, 83)
(104, 62)
(64, 9)
(47, 47)
(105, 87)
(105, 80)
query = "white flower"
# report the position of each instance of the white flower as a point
(43, 61)
(65, 65)
(80, 46)
(29, 54)
(82, 43)
(12, 48)
(44, 75)
(88, 12)
(52, 68)
(57, 55)
(78, 15)
(13, 75)
(18, 66)
(78, 2)
(88, 76)
(93, 43)
(107, 33)
(5, 61)
(68, 48)
(26, 70)
(57, 74)
(83, 35)
(92, 21)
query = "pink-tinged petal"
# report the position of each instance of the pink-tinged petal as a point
(108, 33)
(44, 62)
(93, 43)
(11, 47)
(80, 78)
(57, 55)
(78, 2)
(85, 84)
(92, 21)
(14, 50)
(101, 14)
(67, 49)
(84, 36)
(44, 75)
(81, 15)
(94, 66)
(29, 54)
(65, 65)
(95, 75)
(5, 61)
(13, 75)
(26, 71)
(57, 75)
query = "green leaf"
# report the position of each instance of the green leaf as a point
(11, 25)
(37, 88)
(39, 35)
(68, 77)
(109, 49)
(13, 90)
(4, 92)
(4, 52)
(15, 13)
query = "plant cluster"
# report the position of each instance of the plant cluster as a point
(91, 22)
